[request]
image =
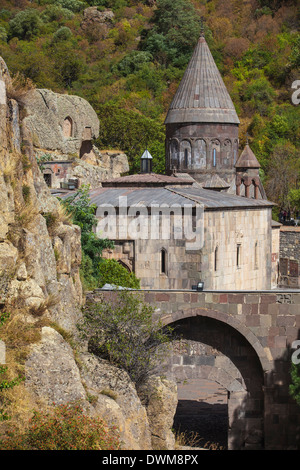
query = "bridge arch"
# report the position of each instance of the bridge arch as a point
(214, 346)
(266, 363)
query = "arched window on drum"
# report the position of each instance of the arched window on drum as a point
(174, 154)
(215, 153)
(199, 154)
(227, 154)
(185, 155)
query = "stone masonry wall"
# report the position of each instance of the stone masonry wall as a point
(289, 254)
(290, 243)
(226, 230)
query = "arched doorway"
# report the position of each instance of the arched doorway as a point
(47, 174)
(68, 127)
(211, 353)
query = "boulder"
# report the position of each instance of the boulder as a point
(117, 401)
(93, 16)
(159, 395)
(51, 372)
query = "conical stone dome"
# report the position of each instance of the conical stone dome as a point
(202, 96)
(247, 159)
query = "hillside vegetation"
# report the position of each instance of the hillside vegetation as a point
(129, 65)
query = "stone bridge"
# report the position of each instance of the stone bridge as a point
(243, 341)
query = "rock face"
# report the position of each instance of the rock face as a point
(61, 129)
(40, 283)
(94, 17)
(104, 391)
(51, 371)
(117, 402)
(60, 122)
(160, 399)
(33, 274)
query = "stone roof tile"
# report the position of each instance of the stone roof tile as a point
(202, 95)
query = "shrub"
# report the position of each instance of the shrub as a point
(26, 192)
(3, 34)
(72, 5)
(82, 211)
(65, 427)
(125, 332)
(17, 89)
(111, 272)
(25, 24)
(175, 32)
(132, 62)
(62, 34)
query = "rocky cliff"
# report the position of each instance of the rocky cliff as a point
(40, 256)
(62, 129)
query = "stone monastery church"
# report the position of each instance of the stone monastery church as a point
(207, 219)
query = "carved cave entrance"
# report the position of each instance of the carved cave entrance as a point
(220, 385)
(86, 147)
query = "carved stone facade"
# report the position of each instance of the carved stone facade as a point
(62, 129)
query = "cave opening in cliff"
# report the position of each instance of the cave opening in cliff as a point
(201, 417)
(48, 179)
(86, 147)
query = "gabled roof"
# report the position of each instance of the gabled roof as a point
(202, 95)
(216, 182)
(146, 179)
(247, 159)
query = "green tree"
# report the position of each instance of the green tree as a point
(294, 387)
(69, 66)
(25, 24)
(295, 53)
(259, 94)
(3, 34)
(294, 200)
(62, 34)
(95, 271)
(111, 272)
(132, 62)
(131, 132)
(283, 174)
(125, 332)
(72, 5)
(175, 31)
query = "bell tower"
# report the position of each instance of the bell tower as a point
(202, 124)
